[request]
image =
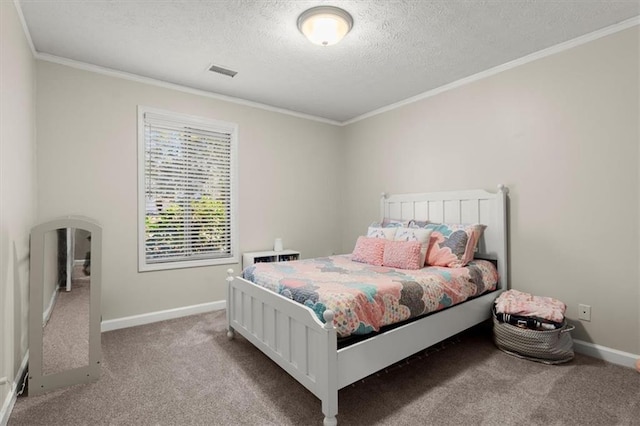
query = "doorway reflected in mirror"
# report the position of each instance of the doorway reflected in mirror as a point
(65, 334)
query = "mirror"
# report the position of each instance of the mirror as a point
(64, 304)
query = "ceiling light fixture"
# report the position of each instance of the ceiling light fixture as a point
(325, 25)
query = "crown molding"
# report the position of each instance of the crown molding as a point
(151, 81)
(25, 29)
(146, 80)
(504, 67)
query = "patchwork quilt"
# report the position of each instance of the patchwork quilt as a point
(364, 297)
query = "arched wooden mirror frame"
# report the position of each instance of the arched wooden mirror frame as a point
(38, 382)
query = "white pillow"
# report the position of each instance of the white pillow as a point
(376, 232)
(389, 223)
(416, 234)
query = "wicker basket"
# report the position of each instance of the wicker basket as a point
(546, 346)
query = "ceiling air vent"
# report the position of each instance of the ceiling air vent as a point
(223, 71)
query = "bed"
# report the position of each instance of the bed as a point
(293, 335)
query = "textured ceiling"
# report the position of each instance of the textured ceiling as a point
(397, 48)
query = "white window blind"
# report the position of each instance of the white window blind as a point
(188, 171)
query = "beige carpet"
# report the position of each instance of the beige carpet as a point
(185, 372)
(65, 337)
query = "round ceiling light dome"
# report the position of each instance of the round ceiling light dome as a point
(325, 25)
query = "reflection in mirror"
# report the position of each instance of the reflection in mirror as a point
(66, 301)
(64, 298)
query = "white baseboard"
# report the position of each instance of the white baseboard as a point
(152, 317)
(604, 353)
(10, 400)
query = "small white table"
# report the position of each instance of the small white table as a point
(250, 258)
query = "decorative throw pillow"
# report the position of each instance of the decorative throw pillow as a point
(417, 223)
(402, 255)
(416, 234)
(452, 245)
(378, 232)
(369, 250)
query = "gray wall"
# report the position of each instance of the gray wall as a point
(562, 133)
(17, 189)
(289, 182)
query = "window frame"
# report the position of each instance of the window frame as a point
(198, 122)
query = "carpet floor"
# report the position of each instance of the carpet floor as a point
(65, 337)
(186, 372)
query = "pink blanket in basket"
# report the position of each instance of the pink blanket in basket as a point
(516, 302)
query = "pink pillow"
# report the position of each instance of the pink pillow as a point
(369, 250)
(452, 245)
(402, 255)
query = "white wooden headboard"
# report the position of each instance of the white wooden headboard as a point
(469, 206)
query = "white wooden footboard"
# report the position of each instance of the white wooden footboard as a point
(291, 335)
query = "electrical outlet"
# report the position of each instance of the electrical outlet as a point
(584, 312)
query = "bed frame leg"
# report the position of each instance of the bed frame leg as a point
(230, 333)
(330, 421)
(330, 409)
(330, 394)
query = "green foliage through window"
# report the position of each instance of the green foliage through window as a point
(204, 221)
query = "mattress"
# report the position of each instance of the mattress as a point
(364, 297)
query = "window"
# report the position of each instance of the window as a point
(186, 191)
